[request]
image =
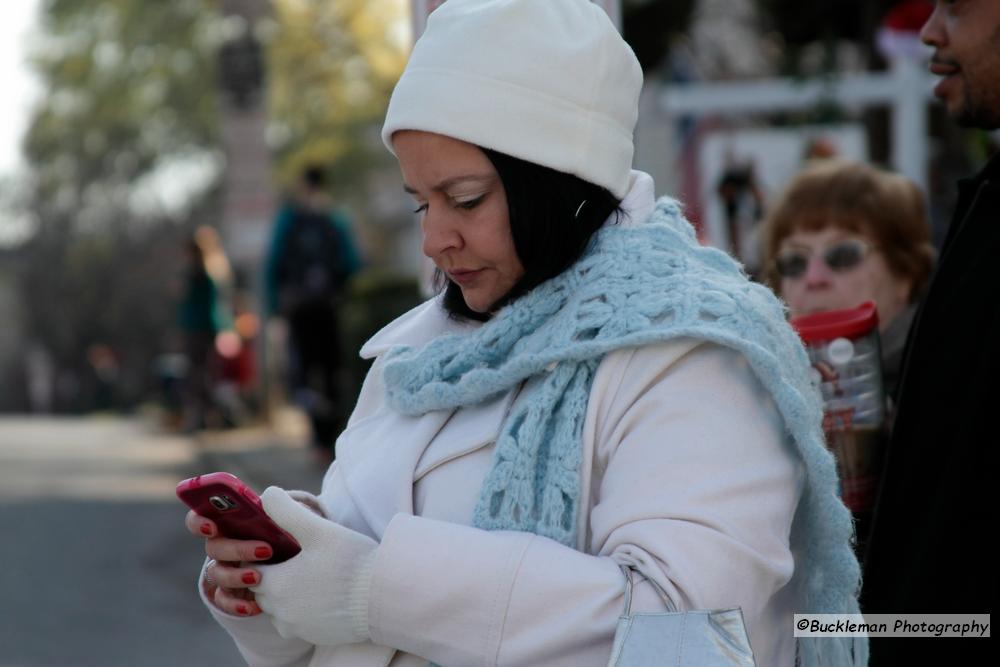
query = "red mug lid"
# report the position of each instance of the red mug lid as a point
(849, 323)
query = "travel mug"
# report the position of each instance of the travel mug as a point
(843, 347)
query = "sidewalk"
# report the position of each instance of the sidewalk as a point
(268, 455)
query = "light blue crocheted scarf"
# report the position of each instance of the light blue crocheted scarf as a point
(634, 285)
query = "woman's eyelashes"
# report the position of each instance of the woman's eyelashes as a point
(464, 204)
(468, 204)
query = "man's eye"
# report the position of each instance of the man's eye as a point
(420, 209)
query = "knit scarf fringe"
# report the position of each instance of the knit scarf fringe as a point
(634, 286)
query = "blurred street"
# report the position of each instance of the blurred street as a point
(95, 565)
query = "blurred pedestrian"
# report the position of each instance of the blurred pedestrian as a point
(234, 385)
(593, 398)
(204, 317)
(820, 148)
(743, 205)
(40, 378)
(843, 233)
(102, 375)
(311, 256)
(931, 545)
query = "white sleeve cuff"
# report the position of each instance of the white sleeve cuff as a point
(256, 638)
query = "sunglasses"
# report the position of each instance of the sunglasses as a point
(839, 257)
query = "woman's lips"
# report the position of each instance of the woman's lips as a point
(464, 277)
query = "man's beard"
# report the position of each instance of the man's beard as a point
(981, 106)
(979, 112)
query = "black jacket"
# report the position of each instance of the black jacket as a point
(930, 546)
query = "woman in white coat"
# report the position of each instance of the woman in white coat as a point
(591, 390)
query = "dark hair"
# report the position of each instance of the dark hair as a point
(549, 227)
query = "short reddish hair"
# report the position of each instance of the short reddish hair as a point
(886, 207)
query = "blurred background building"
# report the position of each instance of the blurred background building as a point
(152, 119)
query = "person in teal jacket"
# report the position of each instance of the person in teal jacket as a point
(311, 256)
(203, 313)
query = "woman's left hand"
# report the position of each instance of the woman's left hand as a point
(320, 595)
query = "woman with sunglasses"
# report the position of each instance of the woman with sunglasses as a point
(844, 233)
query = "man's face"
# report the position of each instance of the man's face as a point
(965, 35)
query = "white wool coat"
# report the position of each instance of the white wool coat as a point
(687, 475)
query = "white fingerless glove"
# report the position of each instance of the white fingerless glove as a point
(320, 595)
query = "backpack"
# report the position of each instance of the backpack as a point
(311, 269)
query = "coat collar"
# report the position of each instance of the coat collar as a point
(991, 170)
(416, 328)
(640, 200)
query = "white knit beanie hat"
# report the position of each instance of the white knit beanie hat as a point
(548, 81)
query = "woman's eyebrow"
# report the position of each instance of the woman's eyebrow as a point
(451, 182)
(798, 246)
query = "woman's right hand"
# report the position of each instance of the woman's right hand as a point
(228, 578)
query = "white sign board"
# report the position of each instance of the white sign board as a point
(776, 154)
(421, 9)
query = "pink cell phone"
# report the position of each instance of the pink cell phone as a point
(237, 511)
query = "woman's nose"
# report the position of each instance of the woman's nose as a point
(439, 235)
(817, 274)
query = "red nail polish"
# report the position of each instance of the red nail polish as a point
(249, 578)
(262, 552)
(242, 610)
(206, 529)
